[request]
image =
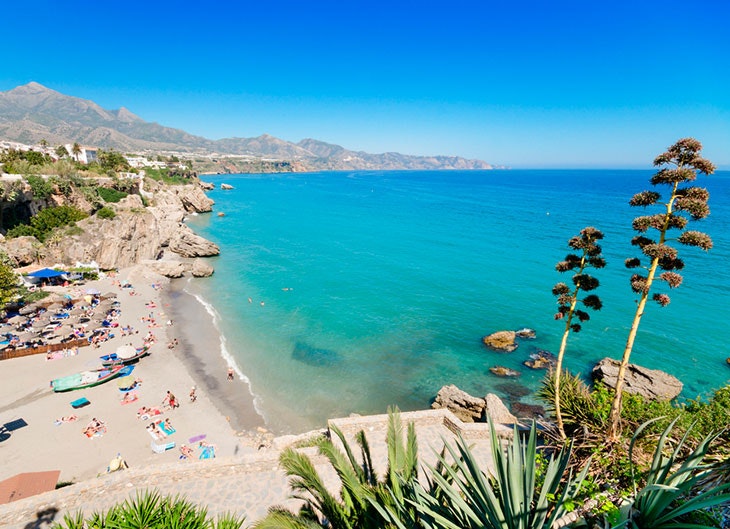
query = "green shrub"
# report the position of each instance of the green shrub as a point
(46, 220)
(153, 511)
(39, 186)
(22, 230)
(111, 195)
(106, 213)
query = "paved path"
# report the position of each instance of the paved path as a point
(247, 484)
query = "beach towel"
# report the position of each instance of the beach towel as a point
(207, 452)
(158, 435)
(167, 431)
(197, 438)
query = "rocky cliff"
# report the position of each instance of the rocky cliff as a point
(135, 234)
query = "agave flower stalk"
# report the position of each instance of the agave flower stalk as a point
(681, 164)
(568, 299)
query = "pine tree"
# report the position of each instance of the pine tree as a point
(680, 165)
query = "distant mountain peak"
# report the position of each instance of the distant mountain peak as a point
(32, 112)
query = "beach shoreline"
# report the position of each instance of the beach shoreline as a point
(39, 440)
(201, 350)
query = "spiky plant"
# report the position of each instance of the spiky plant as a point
(360, 487)
(680, 165)
(670, 496)
(152, 511)
(514, 496)
(569, 297)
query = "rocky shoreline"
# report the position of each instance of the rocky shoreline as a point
(154, 235)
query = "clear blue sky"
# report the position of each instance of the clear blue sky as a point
(525, 84)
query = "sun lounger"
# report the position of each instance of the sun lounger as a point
(161, 448)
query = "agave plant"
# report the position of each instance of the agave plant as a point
(515, 496)
(360, 487)
(669, 497)
(150, 510)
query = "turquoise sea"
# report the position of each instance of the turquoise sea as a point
(374, 288)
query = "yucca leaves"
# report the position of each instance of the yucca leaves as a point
(150, 510)
(509, 499)
(668, 496)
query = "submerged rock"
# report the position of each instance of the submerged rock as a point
(513, 390)
(503, 341)
(314, 356)
(502, 371)
(528, 411)
(541, 360)
(649, 383)
(526, 333)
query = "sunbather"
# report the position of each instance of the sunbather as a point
(186, 452)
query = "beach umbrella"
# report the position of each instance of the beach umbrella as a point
(110, 295)
(29, 335)
(126, 351)
(17, 319)
(127, 382)
(54, 306)
(28, 309)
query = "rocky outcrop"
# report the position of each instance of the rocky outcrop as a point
(186, 243)
(201, 269)
(22, 250)
(502, 371)
(226, 186)
(131, 237)
(193, 199)
(460, 403)
(649, 383)
(473, 409)
(207, 186)
(526, 333)
(171, 269)
(495, 408)
(503, 341)
(541, 360)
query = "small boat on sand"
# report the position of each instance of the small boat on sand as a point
(89, 379)
(125, 355)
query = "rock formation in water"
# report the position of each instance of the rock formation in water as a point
(649, 383)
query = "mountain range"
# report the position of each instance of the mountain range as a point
(31, 113)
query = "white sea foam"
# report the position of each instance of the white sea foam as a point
(229, 359)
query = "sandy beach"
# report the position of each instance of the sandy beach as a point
(222, 414)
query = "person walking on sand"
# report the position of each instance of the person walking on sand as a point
(230, 373)
(193, 396)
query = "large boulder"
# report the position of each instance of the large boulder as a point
(22, 250)
(201, 269)
(649, 383)
(186, 243)
(503, 341)
(460, 403)
(226, 186)
(166, 268)
(206, 185)
(495, 408)
(194, 199)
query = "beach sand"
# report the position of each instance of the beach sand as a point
(223, 411)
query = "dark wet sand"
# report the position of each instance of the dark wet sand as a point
(199, 349)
